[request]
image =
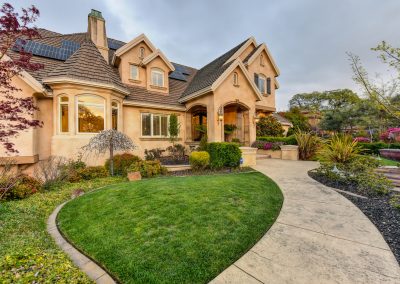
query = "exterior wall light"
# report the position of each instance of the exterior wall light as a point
(256, 118)
(220, 114)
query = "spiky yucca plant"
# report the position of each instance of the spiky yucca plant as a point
(340, 149)
(308, 144)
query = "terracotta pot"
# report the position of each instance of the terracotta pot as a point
(132, 176)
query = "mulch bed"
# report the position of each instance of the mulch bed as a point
(377, 208)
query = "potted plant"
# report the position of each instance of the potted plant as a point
(228, 130)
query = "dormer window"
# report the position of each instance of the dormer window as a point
(134, 72)
(235, 79)
(141, 52)
(157, 77)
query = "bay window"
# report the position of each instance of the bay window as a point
(155, 125)
(91, 114)
(64, 114)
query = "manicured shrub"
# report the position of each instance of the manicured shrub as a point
(199, 160)
(224, 154)
(308, 144)
(26, 186)
(263, 145)
(89, 173)
(148, 168)
(122, 163)
(290, 140)
(269, 126)
(203, 143)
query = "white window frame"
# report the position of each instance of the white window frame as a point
(60, 103)
(151, 124)
(262, 78)
(159, 72)
(93, 104)
(130, 71)
(118, 113)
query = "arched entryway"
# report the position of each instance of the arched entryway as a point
(236, 123)
(197, 118)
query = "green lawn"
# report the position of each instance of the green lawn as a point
(388, 162)
(27, 252)
(175, 229)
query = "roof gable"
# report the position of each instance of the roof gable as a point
(156, 54)
(133, 43)
(245, 45)
(262, 47)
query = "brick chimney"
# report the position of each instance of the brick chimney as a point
(97, 32)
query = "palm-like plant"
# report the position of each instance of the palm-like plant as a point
(340, 149)
(308, 144)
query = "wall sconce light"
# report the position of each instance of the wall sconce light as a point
(256, 118)
(220, 114)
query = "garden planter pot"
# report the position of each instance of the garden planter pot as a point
(393, 154)
(132, 176)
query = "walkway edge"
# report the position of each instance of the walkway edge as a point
(92, 270)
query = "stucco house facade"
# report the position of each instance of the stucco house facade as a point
(91, 82)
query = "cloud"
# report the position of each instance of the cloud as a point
(308, 39)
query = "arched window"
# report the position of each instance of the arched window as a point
(157, 77)
(141, 52)
(91, 114)
(261, 60)
(64, 114)
(114, 115)
(235, 79)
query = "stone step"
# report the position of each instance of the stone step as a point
(262, 157)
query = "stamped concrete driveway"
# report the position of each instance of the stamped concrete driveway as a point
(319, 237)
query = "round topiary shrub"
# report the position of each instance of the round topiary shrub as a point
(122, 162)
(199, 160)
(224, 154)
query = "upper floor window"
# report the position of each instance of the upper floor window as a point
(155, 125)
(114, 115)
(235, 79)
(261, 60)
(268, 86)
(141, 52)
(91, 114)
(157, 77)
(134, 72)
(261, 83)
(64, 114)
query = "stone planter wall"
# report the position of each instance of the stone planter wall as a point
(287, 152)
(249, 156)
(277, 154)
(393, 154)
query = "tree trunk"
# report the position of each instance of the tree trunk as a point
(111, 160)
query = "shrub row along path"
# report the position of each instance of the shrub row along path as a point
(319, 237)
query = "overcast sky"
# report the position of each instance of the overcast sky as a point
(307, 38)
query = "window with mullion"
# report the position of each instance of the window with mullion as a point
(155, 125)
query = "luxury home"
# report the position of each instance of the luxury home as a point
(91, 82)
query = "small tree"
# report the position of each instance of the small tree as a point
(173, 128)
(109, 140)
(269, 126)
(15, 112)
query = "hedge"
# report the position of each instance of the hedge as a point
(373, 148)
(224, 154)
(290, 140)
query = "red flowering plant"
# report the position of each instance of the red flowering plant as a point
(16, 113)
(362, 139)
(390, 135)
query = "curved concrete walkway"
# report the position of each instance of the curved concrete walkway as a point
(93, 271)
(319, 237)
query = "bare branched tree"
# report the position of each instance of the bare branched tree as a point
(109, 140)
(9, 176)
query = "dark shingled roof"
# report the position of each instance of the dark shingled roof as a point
(251, 53)
(88, 64)
(280, 118)
(207, 75)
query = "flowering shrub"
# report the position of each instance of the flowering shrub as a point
(362, 139)
(264, 145)
(390, 134)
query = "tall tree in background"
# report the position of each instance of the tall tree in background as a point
(299, 120)
(16, 113)
(384, 94)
